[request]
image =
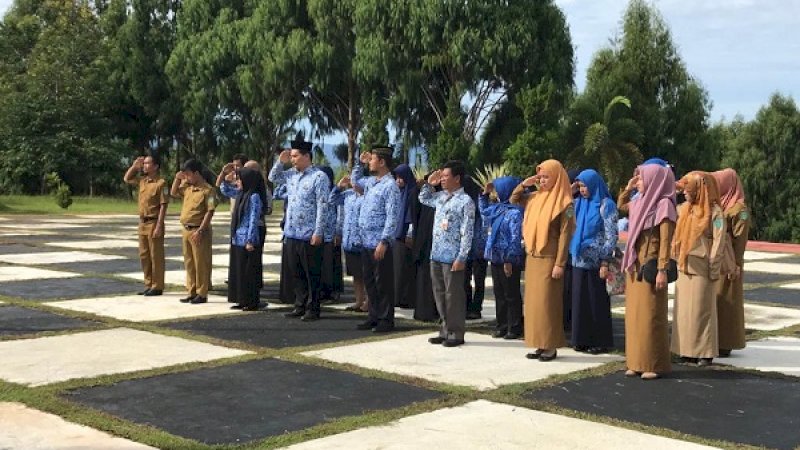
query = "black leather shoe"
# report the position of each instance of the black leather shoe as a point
(544, 357)
(453, 342)
(368, 325)
(473, 315)
(535, 355)
(250, 308)
(153, 292)
(597, 350)
(581, 348)
(498, 333)
(187, 299)
(237, 306)
(383, 328)
(198, 299)
(436, 340)
(512, 336)
(724, 353)
(295, 313)
(144, 292)
(309, 317)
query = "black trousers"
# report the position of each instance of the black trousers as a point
(567, 296)
(508, 299)
(476, 268)
(243, 276)
(403, 275)
(425, 305)
(379, 281)
(262, 233)
(305, 265)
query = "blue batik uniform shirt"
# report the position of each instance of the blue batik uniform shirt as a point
(248, 227)
(379, 215)
(453, 224)
(506, 247)
(307, 198)
(351, 237)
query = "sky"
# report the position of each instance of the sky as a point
(740, 50)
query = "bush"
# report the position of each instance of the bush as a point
(63, 196)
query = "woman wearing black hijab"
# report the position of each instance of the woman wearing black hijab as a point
(332, 270)
(573, 174)
(244, 271)
(425, 306)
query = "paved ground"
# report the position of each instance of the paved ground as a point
(87, 364)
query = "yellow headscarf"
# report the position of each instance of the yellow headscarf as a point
(696, 217)
(546, 206)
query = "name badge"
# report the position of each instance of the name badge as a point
(445, 225)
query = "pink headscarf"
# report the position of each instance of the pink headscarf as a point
(651, 208)
(730, 188)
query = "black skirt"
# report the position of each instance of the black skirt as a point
(352, 262)
(591, 310)
(243, 276)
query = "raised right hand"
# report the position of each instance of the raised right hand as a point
(488, 188)
(632, 183)
(435, 178)
(531, 181)
(285, 157)
(365, 157)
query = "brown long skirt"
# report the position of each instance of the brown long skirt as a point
(543, 305)
(646, 327)
(730, 313)
(694, 322)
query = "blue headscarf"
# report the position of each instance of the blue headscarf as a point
(587, 210)
(504, 186)
(405, 211)
(658, 161)
(329, 172)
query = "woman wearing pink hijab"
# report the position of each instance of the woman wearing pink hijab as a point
(652, 217)
(730, 293)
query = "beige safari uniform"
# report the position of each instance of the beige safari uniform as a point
(152, 194)
(197, 201)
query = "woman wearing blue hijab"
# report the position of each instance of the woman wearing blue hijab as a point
(504, 250)
(591, 248)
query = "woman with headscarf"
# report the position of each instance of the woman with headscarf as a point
(697, 248)
(332, 273)
(652, 222)
(591, 248)
(425, 306)
(633, 194)
(244, 271)
(547, 226)
(403, 264)
(730, 293)
(504, 250)
(572, 174)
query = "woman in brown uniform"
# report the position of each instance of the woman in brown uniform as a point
(730, 293)
(698, 249)
(547, 226)
(651, 224)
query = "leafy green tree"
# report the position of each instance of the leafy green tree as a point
(766, 154)
(669, 105)
(610, 146)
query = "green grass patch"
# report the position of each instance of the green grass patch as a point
(45, 204)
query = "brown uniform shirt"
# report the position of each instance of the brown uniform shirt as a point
(152, 194)
(197, 201)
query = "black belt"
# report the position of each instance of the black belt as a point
(191, 227)
(148, 219)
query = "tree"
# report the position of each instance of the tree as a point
(53, 99)
(669, 105)
(766, 154)
(610, 146)
(455, 63)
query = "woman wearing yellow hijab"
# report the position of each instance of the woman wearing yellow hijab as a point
(547, 226)
(697, 247)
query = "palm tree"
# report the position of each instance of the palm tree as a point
(610, 146)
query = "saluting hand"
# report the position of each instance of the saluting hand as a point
(632, 183)
(285, 157)
(435, 178)
(488, 188)
(531, 181)
(138, 163)
(365, 157)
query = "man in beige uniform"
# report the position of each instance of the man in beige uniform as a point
(199, 202)
(153, 201)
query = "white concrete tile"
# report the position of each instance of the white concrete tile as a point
(178, 277)
(44, 226)
(756, 317)
(138, 308)
(24, 428)
(791, 286)
(125, 236)
(488, 313)
(4, 219)
(483, 362)
(272, 259)
(56, 257)
(273, 238)
(21, 273)
(96, 244)
(487, 425)
(217, 259)
(53, 359)
(755, 256)
(101, 217)
(775, 354)
(15, 233)
(273, 247)
(773, 267)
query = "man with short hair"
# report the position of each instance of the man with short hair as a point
(377, 224)
(199, 203)
(153, 200)
(307, 198)
(453, 227)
